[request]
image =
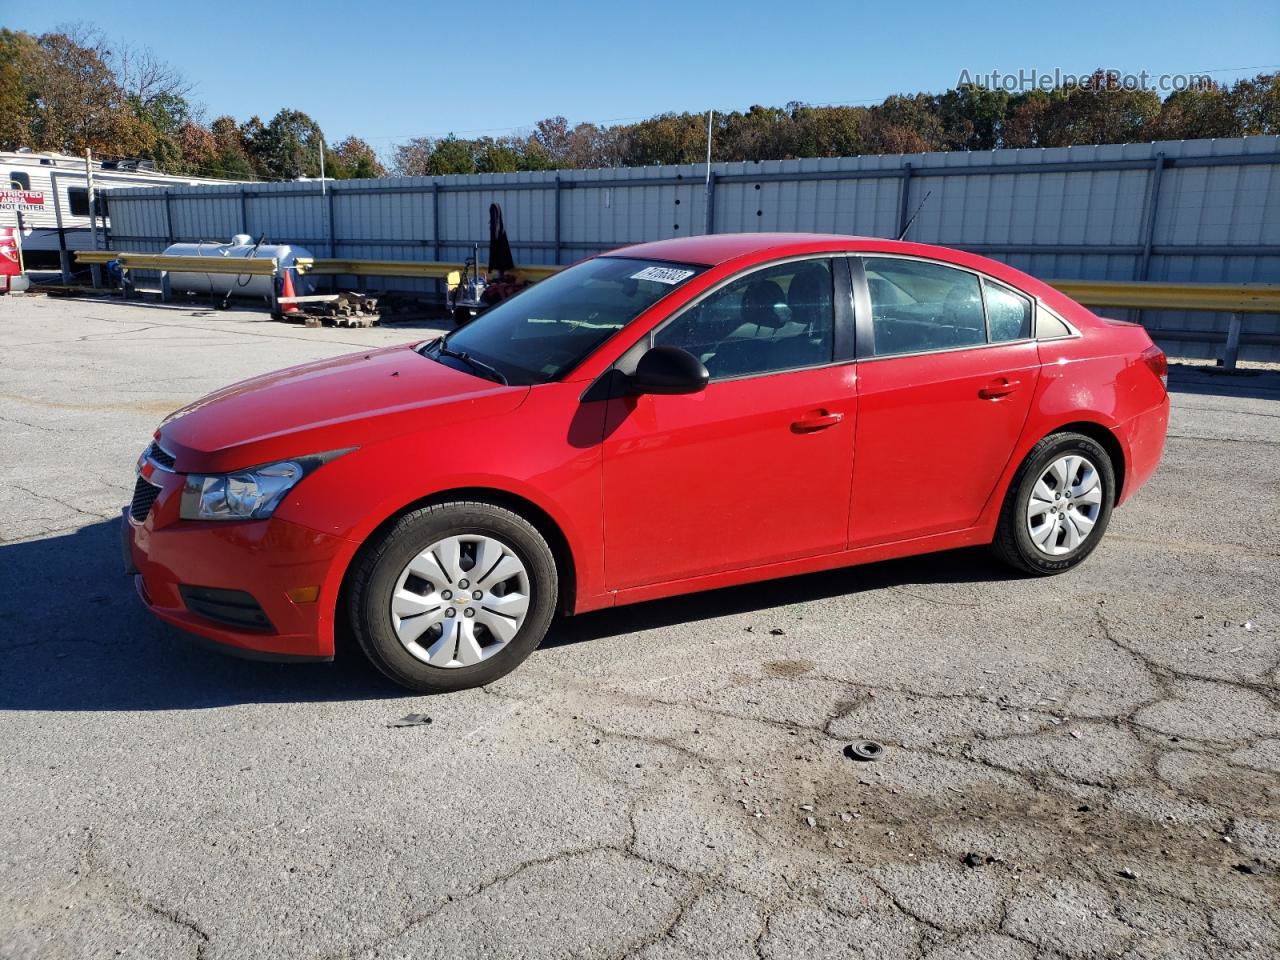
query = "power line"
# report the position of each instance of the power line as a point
(808, 103)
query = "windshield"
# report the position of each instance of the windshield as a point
(545, 331)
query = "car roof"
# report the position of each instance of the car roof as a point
(741, 249)
(716, 248)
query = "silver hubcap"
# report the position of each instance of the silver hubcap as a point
(1064, 505)
(460, 601)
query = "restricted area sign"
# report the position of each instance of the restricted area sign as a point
(10, 257)
(24, 201)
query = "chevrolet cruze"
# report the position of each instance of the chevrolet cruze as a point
(665, 418)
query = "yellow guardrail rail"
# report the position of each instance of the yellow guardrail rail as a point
(1131, 294)
(1156, 295)
(422, 269)
(236, 266)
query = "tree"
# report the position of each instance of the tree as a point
(231, 156)
(353, 159)
(1099, 110)
(451, 155)
(1193, 114)
(146, 78)
(18, 54)
(288, 147)
(666, 138)
(410, 159)
(199, 150)
(1255, 105)
(77, 103)
(552, 136)
(827, 131)
(971, 117)
(904, 124)
(760, 133)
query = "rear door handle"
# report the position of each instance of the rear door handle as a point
(1000, 387)
(817, 421)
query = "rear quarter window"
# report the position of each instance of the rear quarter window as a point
(1008, 312)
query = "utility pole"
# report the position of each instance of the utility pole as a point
(322, 186)
(708, 203)
(93, 205)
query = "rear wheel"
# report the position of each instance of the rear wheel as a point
(1058, 505)
(453, 596)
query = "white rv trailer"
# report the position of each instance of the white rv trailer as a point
(47, 196)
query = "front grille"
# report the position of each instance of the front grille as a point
(232, 607)
(144, 495)
(161, 457)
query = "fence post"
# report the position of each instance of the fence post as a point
(557, 220)
(333, 247)
(1150, 208)
(331, 281)
(710, 225)
(168, 217)
(904, 199)
(64, 258)
(1232, 351)
(244, 211)
(435, 233)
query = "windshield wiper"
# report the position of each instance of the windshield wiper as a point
(493, 373)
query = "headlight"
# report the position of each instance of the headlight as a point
(249, 494)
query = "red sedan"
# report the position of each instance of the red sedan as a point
(665, 418)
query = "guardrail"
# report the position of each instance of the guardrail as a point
(420, 269)
(227, 266)
(235, 266)
(1152, 295)
(1233, 298)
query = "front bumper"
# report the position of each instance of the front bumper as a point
(265, 558)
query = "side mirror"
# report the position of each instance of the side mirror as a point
(669, 370)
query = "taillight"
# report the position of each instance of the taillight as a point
(1154, 358)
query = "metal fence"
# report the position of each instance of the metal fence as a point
(1187, 211)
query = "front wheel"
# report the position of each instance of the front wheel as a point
(1058, 505)
(453, 596)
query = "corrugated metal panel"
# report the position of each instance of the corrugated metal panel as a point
(1029, 208)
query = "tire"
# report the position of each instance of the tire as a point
(1015, 543)
(414, 571)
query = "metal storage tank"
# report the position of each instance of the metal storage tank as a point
(241, 245)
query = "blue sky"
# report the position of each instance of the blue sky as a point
(388, 71)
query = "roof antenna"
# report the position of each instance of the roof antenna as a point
(903, 234)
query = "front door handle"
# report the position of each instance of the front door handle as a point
(816, 421)
(1000, 387)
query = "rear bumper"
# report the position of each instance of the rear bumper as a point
(265, 559)
(1143, 438)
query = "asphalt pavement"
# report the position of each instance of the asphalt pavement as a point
(1081, 766)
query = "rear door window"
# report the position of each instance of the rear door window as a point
(918, 306)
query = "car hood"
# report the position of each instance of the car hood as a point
(346, 401)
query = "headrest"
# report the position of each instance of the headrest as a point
(810, 289)
(764, 304)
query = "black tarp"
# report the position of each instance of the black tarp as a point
(499, 246)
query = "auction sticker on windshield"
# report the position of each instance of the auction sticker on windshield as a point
(670, 275)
